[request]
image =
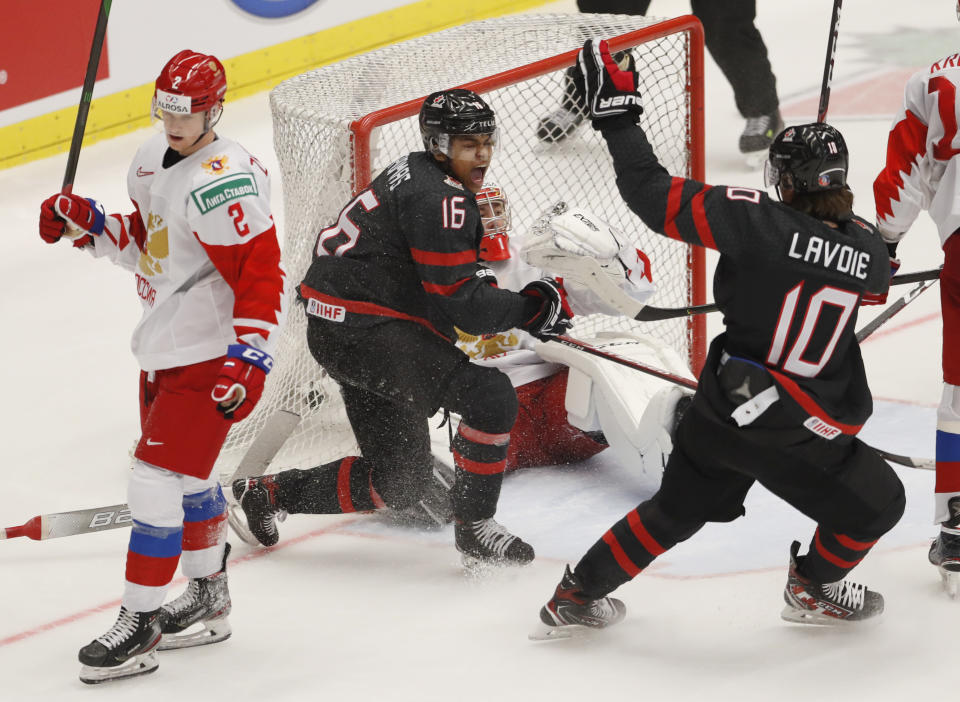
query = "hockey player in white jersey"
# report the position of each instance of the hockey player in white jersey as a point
(203, 249)
(922, 172)
(574, 405)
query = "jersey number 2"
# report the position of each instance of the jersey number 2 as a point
(794, 363)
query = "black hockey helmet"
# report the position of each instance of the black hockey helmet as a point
(815, 155)
(451, 112)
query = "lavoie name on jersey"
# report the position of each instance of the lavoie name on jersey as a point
(842, 258)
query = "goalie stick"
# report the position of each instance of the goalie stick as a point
(85, 521)
(922, 463)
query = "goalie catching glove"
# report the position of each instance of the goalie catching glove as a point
(601, 271)
(240, 382)
(70, 216)
(553, 317)
(610, 90)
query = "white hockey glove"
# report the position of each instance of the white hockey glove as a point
(602, 272)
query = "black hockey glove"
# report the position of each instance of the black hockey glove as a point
(553, 317)
(610, 91)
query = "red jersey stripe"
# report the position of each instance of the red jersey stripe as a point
(809, 406)
(673, 209)
(482, 437)
(643, 536)
(836, 560)
(700, 219)
(368, 308)
(853, 545)
(620, 556)
(445, 290)
(343, 484)
(434, 258)
(478, 468)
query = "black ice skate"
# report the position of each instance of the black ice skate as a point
(126, 650)
(206, 601)
(945, 554)
(258, 500)
(434, 510)
(826, 603)
(486, 542)
(758, 134)
(564, 120)
(569, 613)
(571, 113)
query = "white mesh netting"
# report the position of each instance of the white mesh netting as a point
(312, 117)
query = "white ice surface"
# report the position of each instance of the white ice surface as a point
(346, 608)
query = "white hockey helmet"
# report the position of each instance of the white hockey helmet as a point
(495, 216)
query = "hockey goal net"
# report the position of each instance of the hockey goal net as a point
(336, 127)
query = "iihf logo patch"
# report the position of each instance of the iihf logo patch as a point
(823, 180)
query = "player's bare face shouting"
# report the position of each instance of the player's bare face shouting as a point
(470, 156)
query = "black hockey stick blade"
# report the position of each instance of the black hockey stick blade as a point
(922, 463)
(80, 125)
(656, 314)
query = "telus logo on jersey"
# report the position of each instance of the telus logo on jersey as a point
(843, 258)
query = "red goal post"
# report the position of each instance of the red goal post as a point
(337, 126)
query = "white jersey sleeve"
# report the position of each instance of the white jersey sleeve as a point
(921, 169)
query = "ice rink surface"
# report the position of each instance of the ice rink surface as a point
(348, 608)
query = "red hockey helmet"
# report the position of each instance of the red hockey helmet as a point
(190, 82)
(495, 216)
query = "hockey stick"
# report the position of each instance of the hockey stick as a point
(893, 309)
(922, 463)
(655, 314)
(85, 521)
(828, 64)
(80, 125)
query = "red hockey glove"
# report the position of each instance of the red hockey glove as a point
(240, 383)
(881, 298)
(610, 90)
(553, 317)
(58, 211)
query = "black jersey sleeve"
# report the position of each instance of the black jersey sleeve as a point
(442, 229)
(680, 208)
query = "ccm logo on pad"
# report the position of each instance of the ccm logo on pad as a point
(335, 313)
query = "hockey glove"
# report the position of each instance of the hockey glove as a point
(240, 383)
(70, 216)
(610, 91)
(553, 317)
(870, 298)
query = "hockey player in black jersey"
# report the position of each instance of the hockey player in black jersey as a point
(390, 280)
(783, 391)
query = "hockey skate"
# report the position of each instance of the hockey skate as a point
(435, 509)
(257, 500)
(826, 604)
(945, 554)
(486, 542)
(128, 649)
(569, 614)
(571, 113)
(206, 601)
(758, 134)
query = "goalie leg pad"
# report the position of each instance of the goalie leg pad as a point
(635, 412)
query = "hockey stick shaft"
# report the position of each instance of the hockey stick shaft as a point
(275, 432)
(828, 63)
(893, 309)
(80, 125)
(692, 385)
(655, 314)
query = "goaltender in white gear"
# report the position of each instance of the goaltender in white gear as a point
(634, 413)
